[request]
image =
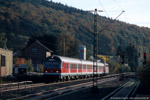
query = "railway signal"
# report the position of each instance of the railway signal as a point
(123, 56)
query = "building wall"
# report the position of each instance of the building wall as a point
(36, 52)
(82, 52)
(7, 69)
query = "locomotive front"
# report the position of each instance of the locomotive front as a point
(52, 67)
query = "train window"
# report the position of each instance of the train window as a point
(52, 65)
(100, 67)
(66, 66)
(73, 66)
(84, 66)
(79, 66)
(89, 67)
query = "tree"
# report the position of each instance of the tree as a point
(48, 40)
(29, 66)
(144, 76)
(40, 68)
(3, 40)
(132, 56)
(67, 45)
(119, 51)
(114, 67)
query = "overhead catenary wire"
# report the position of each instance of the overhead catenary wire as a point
(103, 8)
(108, 15)
(121, 9)
(111, 22)
(118, 5)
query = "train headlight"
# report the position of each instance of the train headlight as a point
(57, 71)
(46, 71)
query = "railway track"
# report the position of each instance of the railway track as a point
(124, 92)
(38, 88)
(21, 88)
(29, 84)
(61, 91)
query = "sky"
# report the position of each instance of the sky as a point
(136, 11)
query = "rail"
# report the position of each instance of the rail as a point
(15, 86)
(28, 87)
(60, 91)
(124, 92)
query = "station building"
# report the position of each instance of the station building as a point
(37, 52)
(6, 62)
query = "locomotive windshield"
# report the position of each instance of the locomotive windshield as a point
(52, 63)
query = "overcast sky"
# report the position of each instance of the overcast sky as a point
(136, 11)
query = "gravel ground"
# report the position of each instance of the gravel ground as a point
(143, 93)
(13, 94)
(87, 94)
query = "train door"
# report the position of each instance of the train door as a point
(80, 69)
(65, 68)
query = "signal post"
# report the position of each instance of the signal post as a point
(144, 62)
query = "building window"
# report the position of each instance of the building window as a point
(3, 60)
(34, 50)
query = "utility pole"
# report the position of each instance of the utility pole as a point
(95, 48)
(64, 42)
(0, 74)
(0, 70)
(95, 52)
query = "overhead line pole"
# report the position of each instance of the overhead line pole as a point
(95, 52)
(95, 48)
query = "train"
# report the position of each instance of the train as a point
(66, 68)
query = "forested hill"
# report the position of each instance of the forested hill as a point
(21, 19)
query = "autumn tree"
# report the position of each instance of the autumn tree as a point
(40, 68)
(29, 66)
(48, 40)
(144, 77)
(3, 40)
(114, 67)
(18, 61)
(119, 51)
(67, 45)
(132, 56)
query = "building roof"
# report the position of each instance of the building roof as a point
(5, 49)
(43, 46)
(39, 43)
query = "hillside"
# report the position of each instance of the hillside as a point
(21, 19)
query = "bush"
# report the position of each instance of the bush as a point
(40, 68)
(29, 66)
(114, 67)
(126, 68)
(144, 75)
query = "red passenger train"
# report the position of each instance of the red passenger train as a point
(65, 68)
